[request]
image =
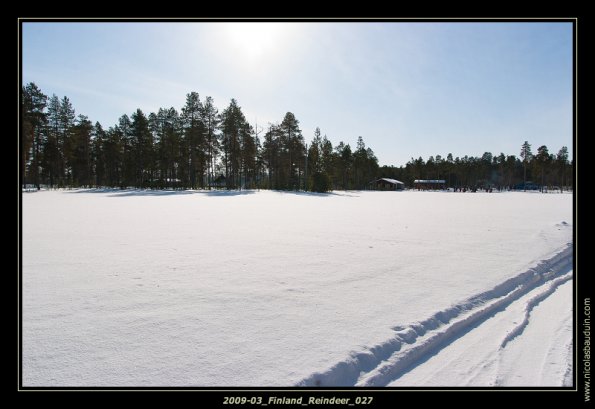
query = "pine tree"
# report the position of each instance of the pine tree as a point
(248, 155)
(234, 128)
(65, 144)
(360, 160)
(511, 166)
(314, 163)
(501, 162)
(343, 163)
(194, 134)
(327, 158)
(141, 142)
(80, 152)
(259, 162)
(562, 163)
(295, 148)
(167, 127)
(271, 153)
(33, 104)
(526, 155)
(125, 135)
(52, 152)
(98, 155)
(371, 165)
(449, 167)
(210, 120)
(542, 159)
(112, 156)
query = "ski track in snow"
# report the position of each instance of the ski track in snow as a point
(540, 356)
(532, 303)
(412, 344)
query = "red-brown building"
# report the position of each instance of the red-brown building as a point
(429, 184)
(387, 184)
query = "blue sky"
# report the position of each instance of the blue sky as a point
(410, 89)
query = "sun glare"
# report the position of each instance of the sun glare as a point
(254, 40)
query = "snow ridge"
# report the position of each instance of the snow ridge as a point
(532, 303)
(385, 362)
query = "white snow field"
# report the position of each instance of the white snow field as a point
(161, 288)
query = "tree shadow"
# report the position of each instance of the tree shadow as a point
(316, 194)
(147, 192)
(213, 193)
(95, 190)
(115, 192)
(225, 193)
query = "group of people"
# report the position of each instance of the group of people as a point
(474, 189)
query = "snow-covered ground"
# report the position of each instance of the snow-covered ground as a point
(148, 288)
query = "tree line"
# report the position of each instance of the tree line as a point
(201, 147)
(195, 148)
(528, 171)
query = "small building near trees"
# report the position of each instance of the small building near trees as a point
(429, 184)
(386, 184)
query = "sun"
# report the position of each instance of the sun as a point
(254, 40)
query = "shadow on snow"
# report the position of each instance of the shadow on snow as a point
(316, 194)
(115, 192)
